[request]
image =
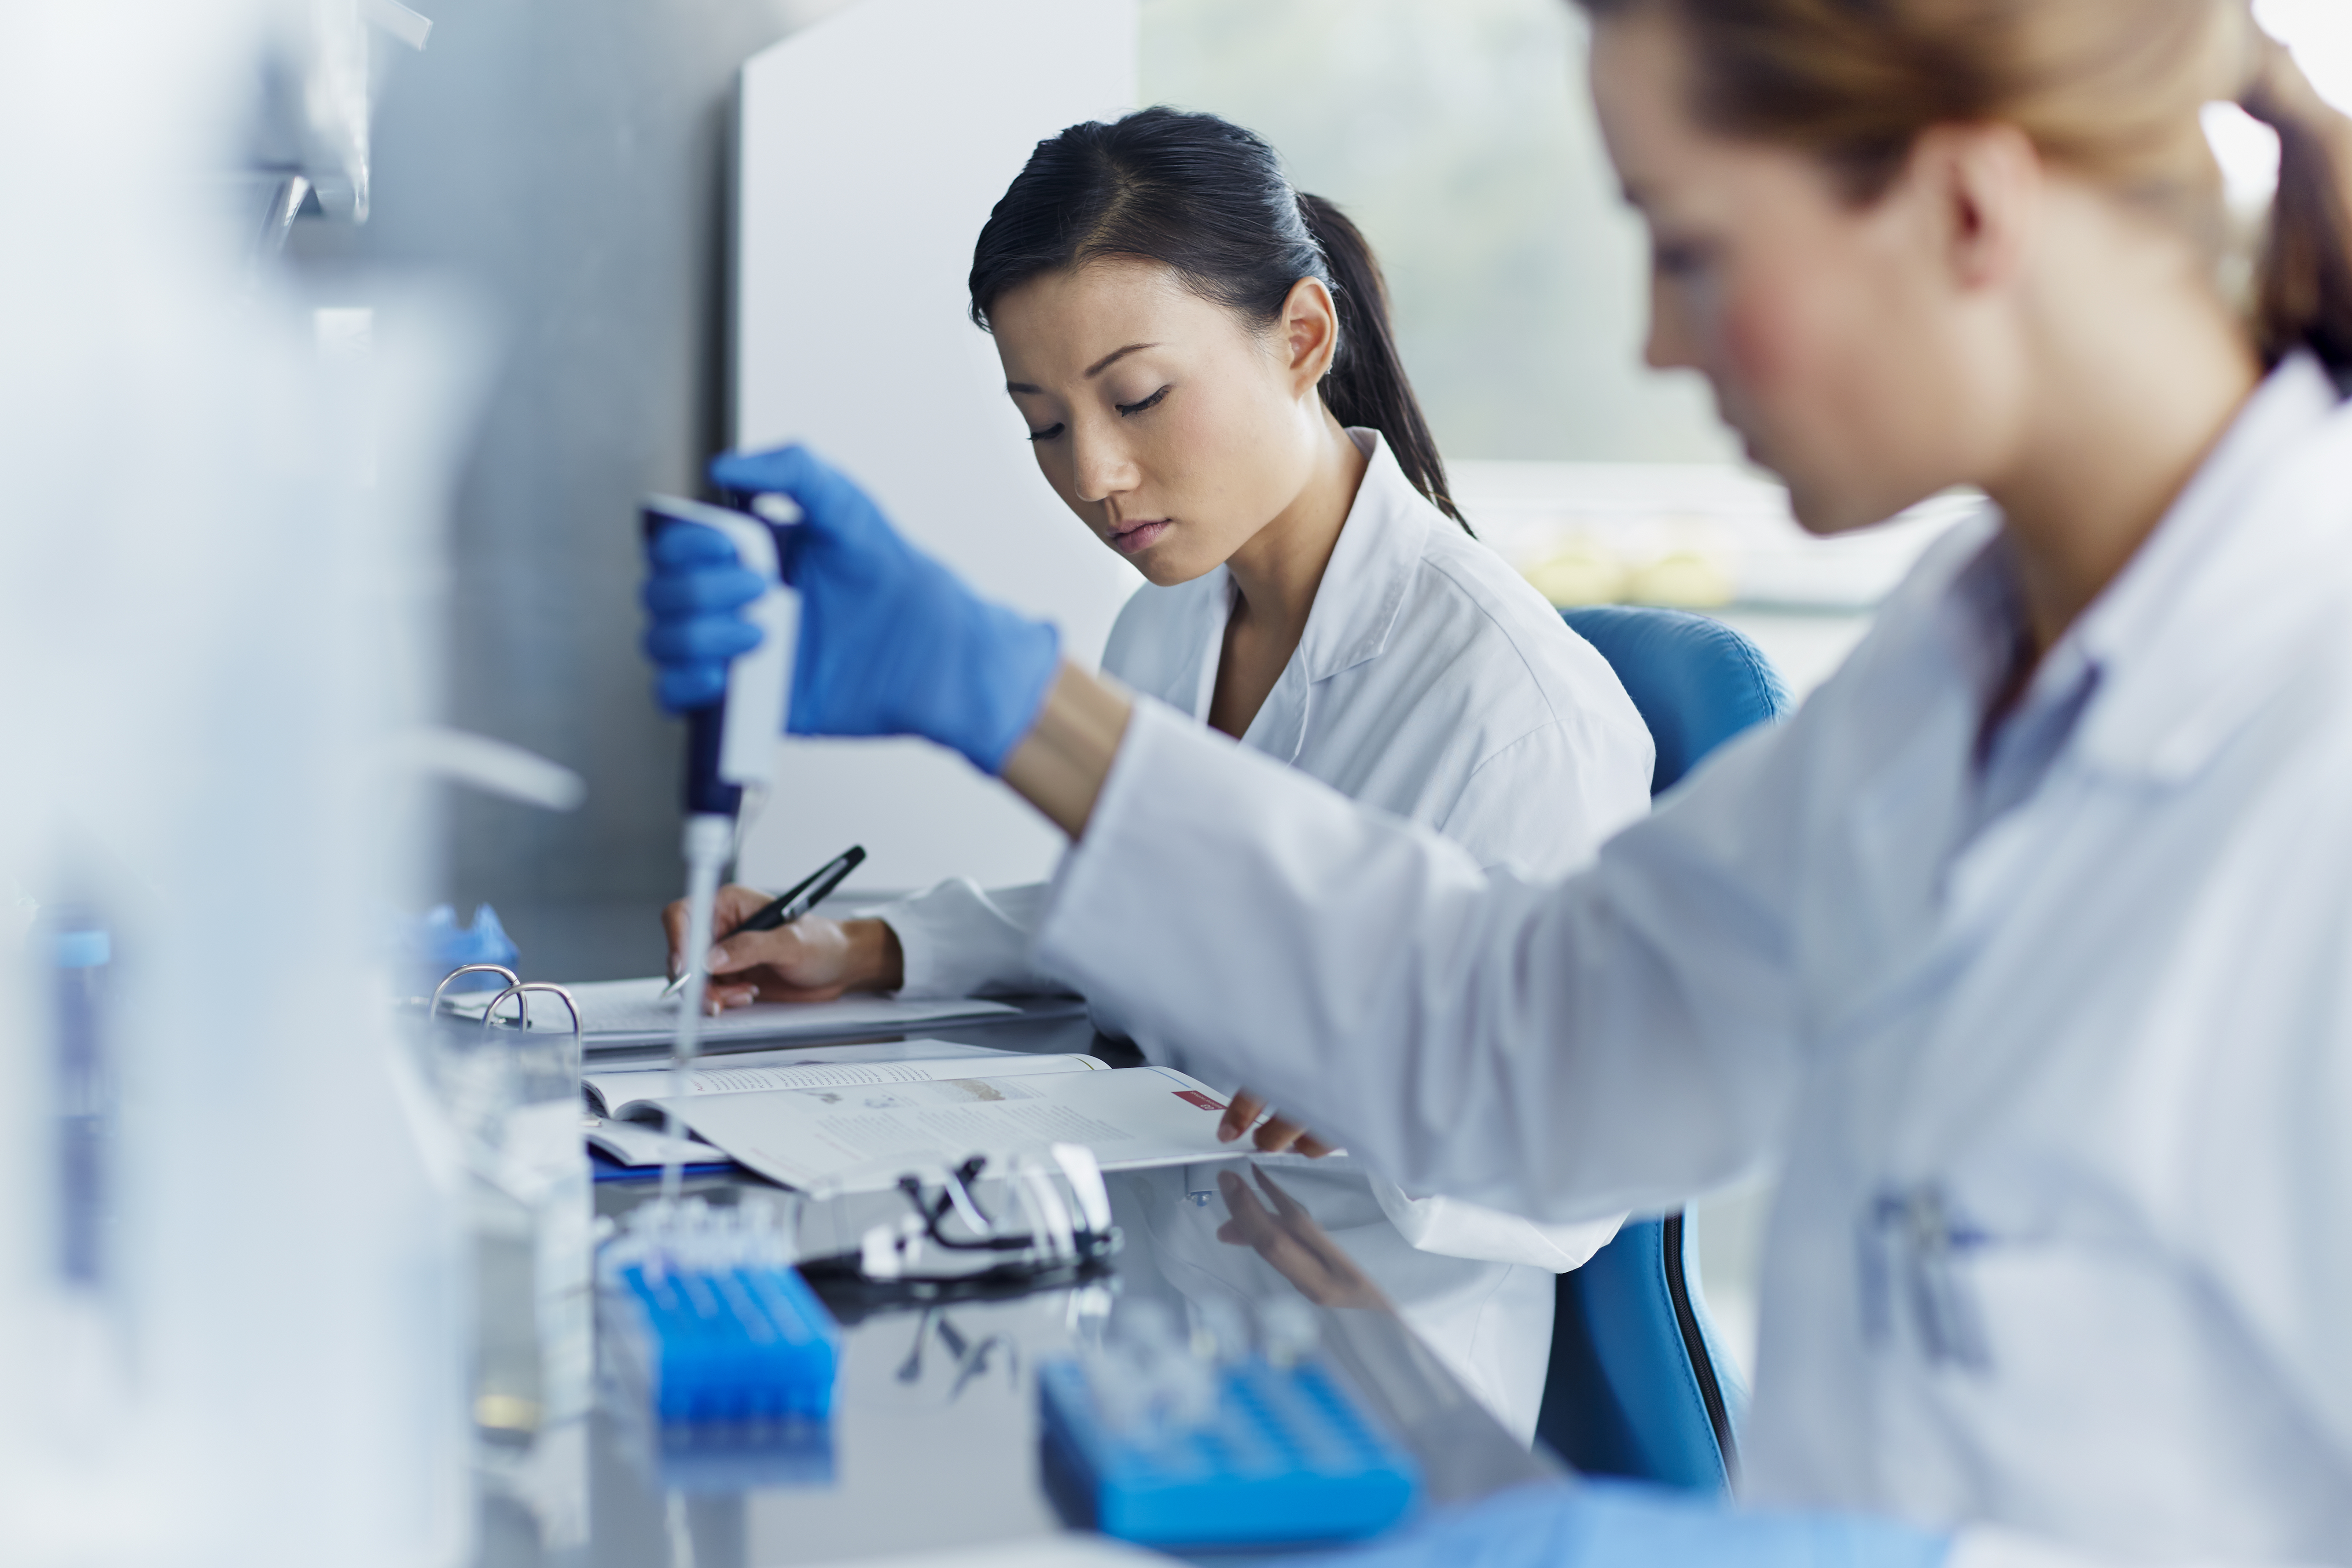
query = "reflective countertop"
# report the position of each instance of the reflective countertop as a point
(935, 1430)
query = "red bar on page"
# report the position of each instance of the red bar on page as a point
(1197, 1098)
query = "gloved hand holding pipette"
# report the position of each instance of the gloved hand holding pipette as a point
(1616, 1524)
(891, 642)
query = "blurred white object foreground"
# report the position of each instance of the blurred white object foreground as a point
(210, 535)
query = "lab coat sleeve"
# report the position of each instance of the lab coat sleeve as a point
(1451, 1227)
(961, 939)
(1544, 805)
(1564, 1051)
(1541, 806)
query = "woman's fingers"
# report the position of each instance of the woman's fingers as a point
(1299, 1141)
(1241, 1115)
(734, 905)
(1276, 1134)
(811, 960)
(810, 954)
(781, 950)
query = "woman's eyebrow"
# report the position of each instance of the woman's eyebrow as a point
(1114, 355)
(1093, 370)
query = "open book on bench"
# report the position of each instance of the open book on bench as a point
(859, 1125)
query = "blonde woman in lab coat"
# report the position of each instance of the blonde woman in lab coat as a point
(1203, 360)
(2024, 951)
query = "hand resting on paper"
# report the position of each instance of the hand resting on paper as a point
(1276, 1135)
(811, 960)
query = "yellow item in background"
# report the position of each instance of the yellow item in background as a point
(1585, 572)
(1682, 580)
(1588, 571)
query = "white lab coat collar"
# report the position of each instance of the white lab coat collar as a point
(1356, 605)
(2193, 628)
(2196, 619)
(1371, 566)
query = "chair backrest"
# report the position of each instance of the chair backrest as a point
(1696, 682)
(1637, 1386)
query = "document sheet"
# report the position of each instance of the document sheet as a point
(640, 1090)
(851, 1137)
(631, 1085)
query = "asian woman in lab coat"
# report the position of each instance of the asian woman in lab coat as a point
(1204, 363)
(2024, 951)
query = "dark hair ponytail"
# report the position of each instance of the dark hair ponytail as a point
(1209, 200)
(1366, 385)
(2305, 298)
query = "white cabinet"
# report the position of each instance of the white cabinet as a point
(872, 147)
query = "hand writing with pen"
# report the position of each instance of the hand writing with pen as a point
(811, 960)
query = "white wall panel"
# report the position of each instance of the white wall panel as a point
(873, 147)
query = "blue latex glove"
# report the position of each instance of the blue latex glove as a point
(1617, 1524)
(891, 642)
(691, 599)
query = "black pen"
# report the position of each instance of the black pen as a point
(796, 901)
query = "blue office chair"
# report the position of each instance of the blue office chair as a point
(1637, 1386)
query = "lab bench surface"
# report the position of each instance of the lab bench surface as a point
(935, 1430)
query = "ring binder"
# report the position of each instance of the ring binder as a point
(522, 990)
(433, 1008)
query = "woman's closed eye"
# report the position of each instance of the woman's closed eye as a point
(1051, 431)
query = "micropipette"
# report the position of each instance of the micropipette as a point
(730, 749)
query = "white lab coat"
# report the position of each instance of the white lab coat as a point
(1433, 682)
(2062, 1094)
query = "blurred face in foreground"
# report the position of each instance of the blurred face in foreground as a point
(1856, 346)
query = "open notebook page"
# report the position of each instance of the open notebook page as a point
(630, 1143)
(752, 1054)
(863, 1138)
(616, 1093)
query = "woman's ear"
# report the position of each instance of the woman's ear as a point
(1308, 334)
(1985, 182)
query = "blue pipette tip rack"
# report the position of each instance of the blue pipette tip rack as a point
(1287, 1455)
(727, 1458)
(718, 1337)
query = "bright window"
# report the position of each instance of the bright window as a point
(1456, 133)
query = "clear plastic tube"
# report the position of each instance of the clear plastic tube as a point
(709, 837)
